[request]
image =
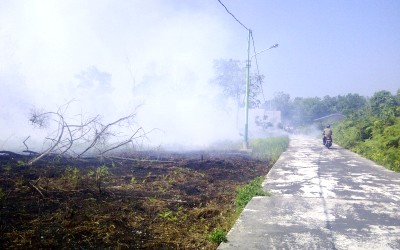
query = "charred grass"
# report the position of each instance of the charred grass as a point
(136, 201)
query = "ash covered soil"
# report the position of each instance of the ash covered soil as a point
(146, 200)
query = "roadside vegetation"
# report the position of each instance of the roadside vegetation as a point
(269, 148)
(369, 126)
(264, 150)
(374, 130)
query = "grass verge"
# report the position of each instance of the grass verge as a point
(246, 193)
(269, 148)
(264, 149)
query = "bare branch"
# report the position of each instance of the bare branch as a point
(37, 189)
(123, 143)
(102, 132)
(27, 149)
(61, 127)
(78, 138)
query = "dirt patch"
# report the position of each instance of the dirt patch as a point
(144, 200)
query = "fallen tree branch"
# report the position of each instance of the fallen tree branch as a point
(37, 189)
(31, 152)
(61, 127)
(102, 132)
(78, 139)
(9, 153)
(139, 160)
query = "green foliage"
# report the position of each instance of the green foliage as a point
(383, 104)
(72, 175)
(217, 236)
(172, 216)
(374, 132)
(133, 180)
(308, 109)
(269, 148)
(302, 111)
(246, 193)
(281, 102)
(102, 172)
(168, 214)
(20, 163)
(381, 145)
(349, 103)
(101, 175)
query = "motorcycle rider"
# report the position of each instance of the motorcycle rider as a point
(327, 132)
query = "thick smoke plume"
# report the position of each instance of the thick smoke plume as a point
(113, 58)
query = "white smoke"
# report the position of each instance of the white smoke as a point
(113, 58)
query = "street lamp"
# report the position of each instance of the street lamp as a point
(246, 124)
(259, 52)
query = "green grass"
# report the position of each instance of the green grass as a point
(218, 236)
(269, 148)
(246, 193)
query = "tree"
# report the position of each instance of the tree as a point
(282, 102)
(231, 76)
(381, 101)
(330, 104)
(385, 106)
(306, 110)
(350, 103)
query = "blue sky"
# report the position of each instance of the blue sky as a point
(326, 47)
(112, 57)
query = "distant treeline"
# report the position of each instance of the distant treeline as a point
(303, 111)
(371, 126)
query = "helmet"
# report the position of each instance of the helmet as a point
(328, 126)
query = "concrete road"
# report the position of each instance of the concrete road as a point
(322, 199)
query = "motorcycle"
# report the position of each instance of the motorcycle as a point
(328, 141)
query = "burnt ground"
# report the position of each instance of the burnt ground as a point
(138, 201)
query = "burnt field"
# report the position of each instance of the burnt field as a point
(144, 200)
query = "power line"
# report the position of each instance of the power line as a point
(254, 47)
(258, 71)
(237, 20)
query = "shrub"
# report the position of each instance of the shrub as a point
(371, 138)
(218, 236)
(101, 175)
(72, 175)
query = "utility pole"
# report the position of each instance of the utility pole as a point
(246, 102)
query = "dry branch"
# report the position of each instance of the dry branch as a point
(37, 189)
(61, 127)
(76, 140)
(103, 132)
(139, 160)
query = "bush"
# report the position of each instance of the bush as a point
(218, 236)
(371, 138)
